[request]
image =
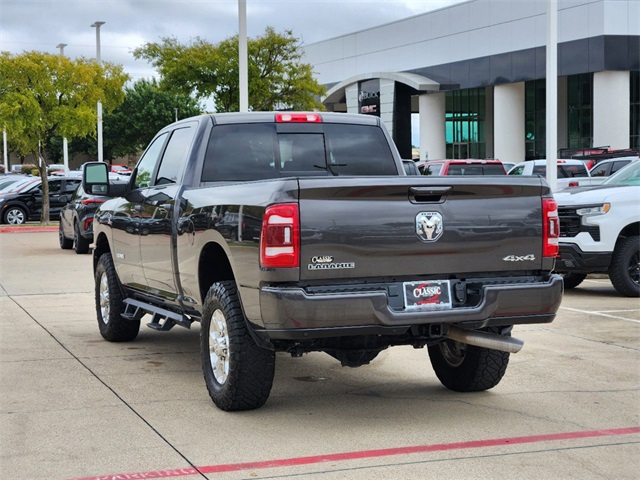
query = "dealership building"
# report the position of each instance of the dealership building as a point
(475, 74)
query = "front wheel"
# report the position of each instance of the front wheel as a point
(65, 243)
(624, 271)
(109, 304)
(237, 372)
(15, 216)
(467, 368)
(80, 244)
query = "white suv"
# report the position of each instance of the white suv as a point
(600, 231)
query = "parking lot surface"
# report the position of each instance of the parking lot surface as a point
(73, 406)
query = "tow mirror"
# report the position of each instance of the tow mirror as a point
(95, 178)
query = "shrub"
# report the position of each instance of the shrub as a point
(28, 168)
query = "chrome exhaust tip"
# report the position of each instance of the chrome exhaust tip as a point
(485, 339)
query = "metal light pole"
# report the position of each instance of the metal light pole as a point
(552, 94)
(97, 25)
(65, 145)
(242, 56)
(5, 154)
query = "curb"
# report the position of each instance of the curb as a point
(21, 229)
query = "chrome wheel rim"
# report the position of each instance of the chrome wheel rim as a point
(15, 217)
(103, 291)
(453, 352)
(219, 347)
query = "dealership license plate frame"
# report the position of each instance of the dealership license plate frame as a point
(412, 302)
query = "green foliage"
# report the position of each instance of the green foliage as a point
(42, 95)
(277, 77)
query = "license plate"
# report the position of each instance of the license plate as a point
(427, 295)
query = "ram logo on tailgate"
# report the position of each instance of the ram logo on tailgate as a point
(429, 226)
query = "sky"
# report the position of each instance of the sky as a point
(41, 25)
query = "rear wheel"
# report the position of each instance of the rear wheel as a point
(238, 373)
(15, 216)
(80, 244)
(624, 271)
(109, 304)
(572, 280)
(65, 243)
(467, 368)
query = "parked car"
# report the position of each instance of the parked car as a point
(462, 167)
(76, 220)
(602, 170)
(120, 169)
(568, 170)
(25, 203)
(14, 181)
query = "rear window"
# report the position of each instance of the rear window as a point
(564, 171)
(258, 151)
(466, 169)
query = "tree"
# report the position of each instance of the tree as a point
(277, 77)
(129, 128)
(42, 95)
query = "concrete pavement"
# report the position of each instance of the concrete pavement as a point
(75, 406)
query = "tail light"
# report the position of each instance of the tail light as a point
(280, 239)
(87, 223)
(550, 228)
(574, 184)
(298, 118)
(89, 201)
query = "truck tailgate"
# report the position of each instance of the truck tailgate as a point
(375, 227)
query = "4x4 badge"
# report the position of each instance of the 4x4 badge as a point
(429, 226)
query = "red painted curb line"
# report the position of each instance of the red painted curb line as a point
(337, 457)
(28, 229)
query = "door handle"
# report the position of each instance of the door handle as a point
(429, 194)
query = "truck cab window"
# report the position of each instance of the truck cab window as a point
(148, 162)
(175, 156)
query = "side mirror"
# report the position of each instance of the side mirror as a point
(95, 178)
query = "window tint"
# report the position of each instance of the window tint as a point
(517, 171)
(599, 170)
(618, 165)
(54, 187)
(240, 152)
(493, 170)
(464, 170)
(256, 151)
(175, 156)
(433, 169)
(358, 150)
(71, 186)
(571, 171)
(148, 162)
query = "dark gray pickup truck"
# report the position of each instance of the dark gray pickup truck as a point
(300, 232)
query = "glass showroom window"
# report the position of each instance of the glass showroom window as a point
(634, 131)
(535, 119)
(465, 123)
(580, 105)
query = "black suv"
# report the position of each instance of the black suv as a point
(25, 203)
(76, 220)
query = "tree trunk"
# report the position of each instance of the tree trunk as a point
(42, 166)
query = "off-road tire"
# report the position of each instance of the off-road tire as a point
(15, 216)
(243, 371)
(467, 368)
(65, 243)
(109, 305)
(80, 244)
(624, 271)
(572, 280)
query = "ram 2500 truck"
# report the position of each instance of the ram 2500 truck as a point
(300, 232)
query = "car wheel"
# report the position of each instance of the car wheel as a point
(109, 304)
(15, 216)
(467, 368)
(65, 243)
(572, 280)
(624, 271)
(238, 373)
(80, 244)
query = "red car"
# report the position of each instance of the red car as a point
(120, 169)
(462, 167)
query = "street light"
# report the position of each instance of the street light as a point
(65, 145)
(97, 26)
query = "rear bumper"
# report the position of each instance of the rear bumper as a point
(293, 313)
(573, 259)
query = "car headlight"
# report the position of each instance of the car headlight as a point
(593, 210)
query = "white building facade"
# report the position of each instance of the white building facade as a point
(475, 73)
